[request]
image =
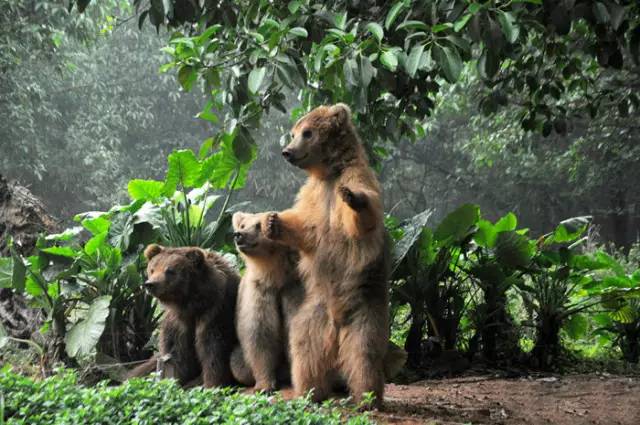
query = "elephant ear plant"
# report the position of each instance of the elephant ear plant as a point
(87, 280)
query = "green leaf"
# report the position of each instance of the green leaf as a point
(508, 25)
(576, 327)
(449, 61)
(293, 6)
(61, 251)
(457, 224)
(366, 71)
(4, 339)
(506, 223)
(412, 229)
(96, 225)
(412, 63)
(513, 250)
(6, 272)
(462, 22)
(376, 30)
(184, 169)
(84, 335)
(413, 25)
(299, 32)
(486, 234)
(256, 76)
(393, 14)
(187, 76)
(340, 21)
(389, 60)
(147, 190)
(441, 27)
(95, 243)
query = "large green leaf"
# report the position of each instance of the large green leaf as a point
(184, 169)
(506, 223)
(412, 229)
(577, 325)
(84, 335)
(486, 234)
(97, 225)
(61, 251)
(146, 190)
(457, 224)
(513, 249)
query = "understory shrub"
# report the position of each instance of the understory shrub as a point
(61, 400)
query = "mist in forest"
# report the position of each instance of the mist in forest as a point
(75, 136)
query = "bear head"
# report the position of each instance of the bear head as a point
(171, 272)
(248, 235)
(322, 138)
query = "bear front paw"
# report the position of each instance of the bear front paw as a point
(272, 226)
(354, 201)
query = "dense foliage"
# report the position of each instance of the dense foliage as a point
(457, 279)
(88, 279)
(388, 59)
(59, 399)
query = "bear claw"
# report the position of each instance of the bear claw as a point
(350, 198)
(272, 229)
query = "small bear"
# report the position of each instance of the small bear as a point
(336, 225)
(198, 290)
(270, 293)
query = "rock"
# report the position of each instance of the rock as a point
(22, 217)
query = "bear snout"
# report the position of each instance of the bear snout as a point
(149, 286)
(287, 154)
(238, 237)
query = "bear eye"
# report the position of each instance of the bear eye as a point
(258, 227)
(170, 271)
(307, 134)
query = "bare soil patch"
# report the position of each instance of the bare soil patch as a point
(562, 400)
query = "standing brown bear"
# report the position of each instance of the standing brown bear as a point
(198, 290)
(270, 293)
(337, 226)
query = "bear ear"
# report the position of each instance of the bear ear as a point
(341, 113)
(152, 250)
(236, 219)
(196, 256)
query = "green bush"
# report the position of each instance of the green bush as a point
(61, 400)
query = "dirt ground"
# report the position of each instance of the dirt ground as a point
(601, 399)
(563, 400)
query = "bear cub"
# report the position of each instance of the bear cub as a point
(198, 290)
(270, 293)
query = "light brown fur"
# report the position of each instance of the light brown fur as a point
(270, 292)
(337, 226)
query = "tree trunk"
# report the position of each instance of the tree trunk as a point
(547, 346)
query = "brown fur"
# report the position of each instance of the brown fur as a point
(337, 226)
(198, 291)
(270, 292)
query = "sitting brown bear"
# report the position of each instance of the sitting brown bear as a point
(270, 293)
(198, 290)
